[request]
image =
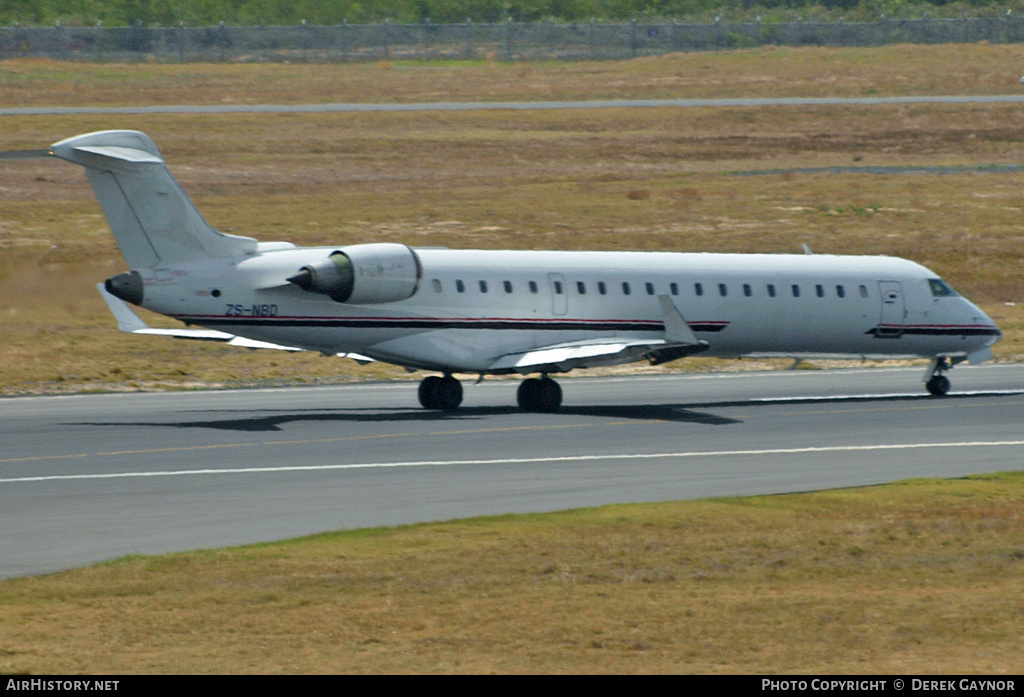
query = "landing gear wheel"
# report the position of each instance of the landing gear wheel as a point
(448, 394)
(543, 395)
(428, 388)
(938, 385)
(443, 394)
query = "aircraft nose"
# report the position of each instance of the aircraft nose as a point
(995, 334)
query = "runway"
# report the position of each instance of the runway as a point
(93, 477)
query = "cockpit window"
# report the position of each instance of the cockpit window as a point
(940, 289)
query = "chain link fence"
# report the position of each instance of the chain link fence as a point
(508, 41)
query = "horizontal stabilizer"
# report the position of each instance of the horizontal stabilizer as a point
(125, 154)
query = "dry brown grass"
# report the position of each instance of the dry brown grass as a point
(654, 179)
(761, 72)
(921, 577)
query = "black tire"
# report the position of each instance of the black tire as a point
(428, 392)
(526, 395)
(448, 395)
(549, 396)
(938, 385)
(543, 396)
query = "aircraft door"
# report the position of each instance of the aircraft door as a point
(893, 310)
(559, 294)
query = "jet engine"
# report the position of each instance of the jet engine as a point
(363, 274)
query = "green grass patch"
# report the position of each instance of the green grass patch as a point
(920, 576)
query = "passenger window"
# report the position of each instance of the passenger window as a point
(437, 285)
(674, 288)
(698, 289)
(558, 287)
(820, 290)
(533, 287)
(840, 292)
(483, 286)
(625, 288)
(601, 288)
(863, 291)
(722, 290)
(771, 290)
(796, 291)
(747, 290)
(508, 286)
(460, 286)
(581, 287)
(650, 288)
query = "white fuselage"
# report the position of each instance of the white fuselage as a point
(472, 307)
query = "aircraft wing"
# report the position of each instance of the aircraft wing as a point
(679, 341)
(128, 321)
(560, 358)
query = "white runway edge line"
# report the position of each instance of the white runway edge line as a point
(519, 460)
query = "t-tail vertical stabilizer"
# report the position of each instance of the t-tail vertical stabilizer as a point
(153, 220)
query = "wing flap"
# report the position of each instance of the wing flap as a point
(679, 341)
(589, 354)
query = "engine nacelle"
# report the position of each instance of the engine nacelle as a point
(363, 274)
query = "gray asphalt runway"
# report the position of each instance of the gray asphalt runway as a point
(464, 106)
(92, 477)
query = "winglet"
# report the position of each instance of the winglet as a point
(677, 331)
(127, 320)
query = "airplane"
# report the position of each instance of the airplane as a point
(505, 312)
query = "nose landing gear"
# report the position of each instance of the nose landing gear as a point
(936, 381)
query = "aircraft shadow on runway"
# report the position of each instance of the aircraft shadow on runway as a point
(693, 413)
(274, 421)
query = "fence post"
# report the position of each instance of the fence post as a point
(221, 40)
(384, 38)
(508, 38)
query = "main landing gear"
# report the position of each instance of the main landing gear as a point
(542, 395)
(443, 394)
(936, 381)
